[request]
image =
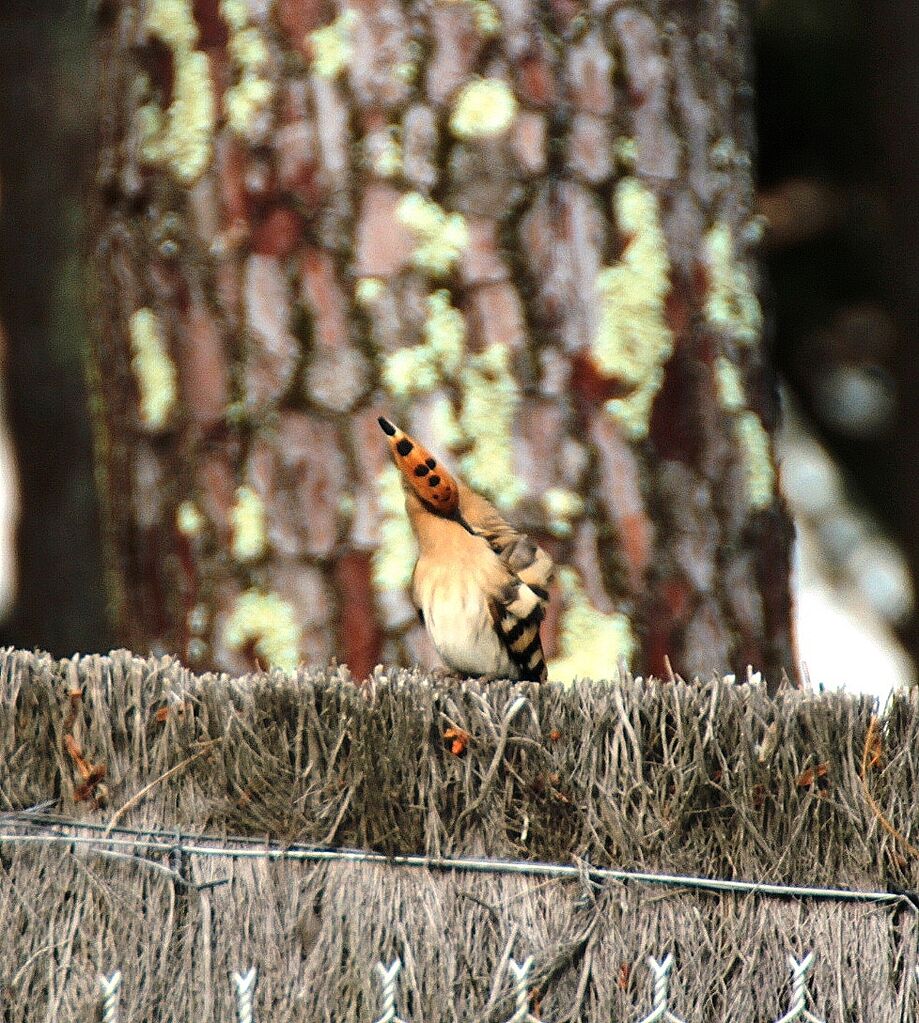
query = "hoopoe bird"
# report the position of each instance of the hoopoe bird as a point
(479, 585)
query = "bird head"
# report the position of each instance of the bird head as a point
(422, 474)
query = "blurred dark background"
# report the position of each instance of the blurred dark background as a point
(46, 138)
(838, 102)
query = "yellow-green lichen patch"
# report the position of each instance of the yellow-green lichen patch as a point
(247, 523)
(383, 151)
(445, 332)
(731, 304)
(420, 368)
(750, 433)
(440, 236)
(633, 340)
(723, 152)
(267, 623)
(173, 22)
(394, 559)
(181, 137)
(332, 45)
(407, 70)
(368, 290)
(754, 442)
(198, 618)
(485, 107)
(252, 94)
(189, 520)
(153, 369)
(730, 386)
(410, 371)
(562, 506)
(235, 13)
(625, 150)
(591, 643)
(445, 428)
(490, 398)
(487, 19)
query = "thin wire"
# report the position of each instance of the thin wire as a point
(100, 847)
(245, 985)
(266, 850)
(110, 993)
(38, 810)
(661, 976)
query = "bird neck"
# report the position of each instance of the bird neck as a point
(437, 533)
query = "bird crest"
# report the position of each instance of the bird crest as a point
(421, 470)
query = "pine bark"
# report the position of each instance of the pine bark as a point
(523, 231)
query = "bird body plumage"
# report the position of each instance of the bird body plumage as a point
(480, 585)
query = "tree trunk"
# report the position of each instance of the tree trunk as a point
(524, 232)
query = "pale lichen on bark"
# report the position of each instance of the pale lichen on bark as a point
(521, 230)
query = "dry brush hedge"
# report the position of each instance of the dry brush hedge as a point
(713, 780)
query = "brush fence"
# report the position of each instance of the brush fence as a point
(149, 819)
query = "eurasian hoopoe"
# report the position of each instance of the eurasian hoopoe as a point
(480, 586)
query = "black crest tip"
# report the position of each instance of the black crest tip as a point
(386, 426)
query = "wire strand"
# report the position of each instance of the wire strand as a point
(164, 843)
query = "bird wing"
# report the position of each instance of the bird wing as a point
(516, 615)
(519, 607)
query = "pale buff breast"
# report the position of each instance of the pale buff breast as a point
(453, 598)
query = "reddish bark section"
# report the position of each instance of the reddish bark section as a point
(360, 638)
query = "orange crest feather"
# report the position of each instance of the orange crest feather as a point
(426, 476)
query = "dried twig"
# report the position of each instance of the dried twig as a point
(206, 747)
(870, 746)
